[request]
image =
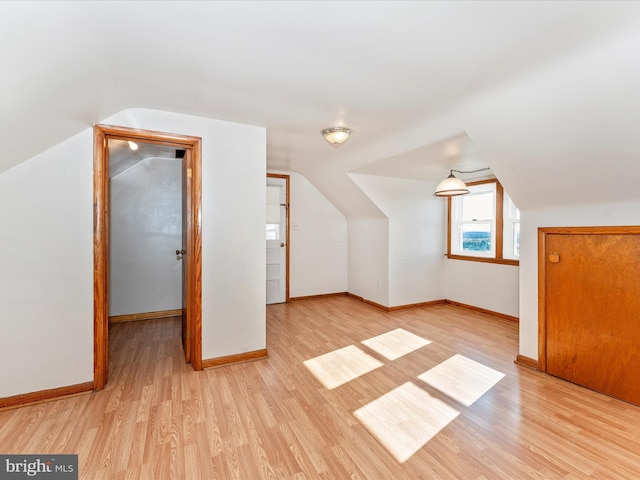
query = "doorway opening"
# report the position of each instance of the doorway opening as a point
(589, 297)
(191, 250)
(277, 237)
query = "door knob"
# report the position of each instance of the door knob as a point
(282, 244)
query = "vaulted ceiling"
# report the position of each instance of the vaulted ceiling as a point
(544, 93)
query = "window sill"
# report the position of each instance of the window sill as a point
(501, 261)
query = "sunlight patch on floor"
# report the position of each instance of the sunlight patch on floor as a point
(341, 366)
(396, 343)
(462, 379)
(405, 419)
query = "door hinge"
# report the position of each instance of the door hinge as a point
(189, 174)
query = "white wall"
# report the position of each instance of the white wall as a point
(318, 241)
(145, 229)
(416, 223)
(369, 259)
(46, 273)
(627, 213)
(46, 279)
(490, 286)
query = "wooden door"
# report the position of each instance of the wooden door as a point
(186, 251)
(592, 303)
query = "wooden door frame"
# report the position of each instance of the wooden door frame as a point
(286, 178)
(542, 273)
(101, 135)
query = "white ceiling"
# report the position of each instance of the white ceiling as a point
(122, 156)
(406, 77)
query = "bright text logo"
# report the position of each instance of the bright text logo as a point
(54, 467)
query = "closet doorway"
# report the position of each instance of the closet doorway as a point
(589, 301)
(190, 250)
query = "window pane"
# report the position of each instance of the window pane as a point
(273, 231)
(511, 211)
(516, 239)
(273, 204)
(477, 207)
(476, 237)
(511, 229)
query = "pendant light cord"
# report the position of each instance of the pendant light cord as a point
(471, 171)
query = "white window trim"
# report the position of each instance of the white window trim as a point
(457, 222)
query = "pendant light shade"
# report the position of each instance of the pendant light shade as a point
(336, 135)
(452, 186)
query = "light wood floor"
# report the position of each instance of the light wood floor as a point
(274, 419)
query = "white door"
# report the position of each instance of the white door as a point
(276, 240)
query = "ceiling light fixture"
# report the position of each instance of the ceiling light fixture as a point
(452, 186)
(336, 135)
(133, 145)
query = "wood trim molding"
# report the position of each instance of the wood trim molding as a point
(368, 302)
(448, 226)
(233, 359)
(355, 297)
(542, 307)
(101, 135)
(397, 307)
(133, 317)
(500, 222)
(288, 236)
(322, 295)
(195, 291)
(526, 362)
(100, 258)
(45, 395)
(411, 306)
(590, 230)
(500, 261)
(375, 305)
(483, 310)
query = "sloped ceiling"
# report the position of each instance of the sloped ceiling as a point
(122, 157)
(544, 91)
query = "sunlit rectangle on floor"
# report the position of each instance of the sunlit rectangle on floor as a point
(396, 343)
(405, 419)
(462, 379)
(341, 366)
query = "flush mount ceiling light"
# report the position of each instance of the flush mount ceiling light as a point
(336, 135)
(452, 186)
(133, 145)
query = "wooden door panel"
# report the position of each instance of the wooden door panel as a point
(593, 312)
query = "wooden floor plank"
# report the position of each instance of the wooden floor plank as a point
(273, 419)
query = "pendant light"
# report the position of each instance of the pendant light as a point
(453, 186)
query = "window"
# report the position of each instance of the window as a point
(511, 229)
(484, 225)
(473, 226)
(273, 231)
